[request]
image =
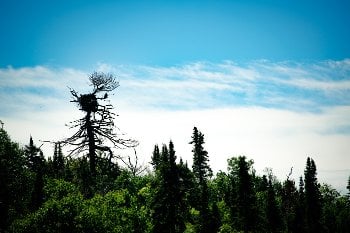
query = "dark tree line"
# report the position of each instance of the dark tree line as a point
(92, 193)
(53, 194)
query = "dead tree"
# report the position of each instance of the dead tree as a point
(132, 164)
(96, 130)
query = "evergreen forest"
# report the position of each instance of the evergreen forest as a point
(91, 189)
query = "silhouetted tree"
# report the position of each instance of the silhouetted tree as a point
(202, 171)
(58, 161)
(200, 165)
(300, 215)
(34, 158)
(312, 198)
(272, 210)
(245, 217)
(97, 126)
(168, 203)
(290, 198)
(155, 157)
(36, 163)
(348, 187)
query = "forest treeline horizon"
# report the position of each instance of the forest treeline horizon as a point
(91, 189)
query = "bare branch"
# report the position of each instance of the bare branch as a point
(103, 82)
(96, 129)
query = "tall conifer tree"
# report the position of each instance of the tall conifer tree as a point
(36, 163)
(202, 171)
(272, 211)
(168, 202)
(313, 197)
(156, 157)
(58, 161)
(246, 196)
(200, 165)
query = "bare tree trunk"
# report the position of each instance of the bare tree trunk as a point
(92, 146)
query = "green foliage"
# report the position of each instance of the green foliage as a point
(56, 215)
(58, 189)
(116, 211)
(15, 181)
(60, 195)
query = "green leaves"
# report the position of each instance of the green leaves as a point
(173, 198)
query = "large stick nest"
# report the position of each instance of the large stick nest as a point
(88, 102)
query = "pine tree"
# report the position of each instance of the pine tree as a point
(200, 165)
(348, 187)
(201, 172)
(289, 205)
(246, 196)
(168, 201)
(58, 161)
(243, 213)
(33, 159)
(300, 222)
(156, 157)
(187, 187)
(36, 163)
(272, 210)
(38, 191)
(312, 197)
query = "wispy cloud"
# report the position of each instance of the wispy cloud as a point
(283, 85)
(275, 113)
(286, 85)
(37, 88)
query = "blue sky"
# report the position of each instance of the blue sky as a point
(265, 79)
(79, 33)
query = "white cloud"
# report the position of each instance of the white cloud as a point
(263, 110)
(273, 138)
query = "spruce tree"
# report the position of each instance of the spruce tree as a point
(290, 200)
(58, 161)
(36, 163)
(33, 157)
(246, 196)
(243, 200)
(168, 201)
(348, 187)
(272, 210)
(38, 190)
(187, 187)
(202, 171)
(312, 197)
(300, 221)
(155, 157)
(200, 165)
